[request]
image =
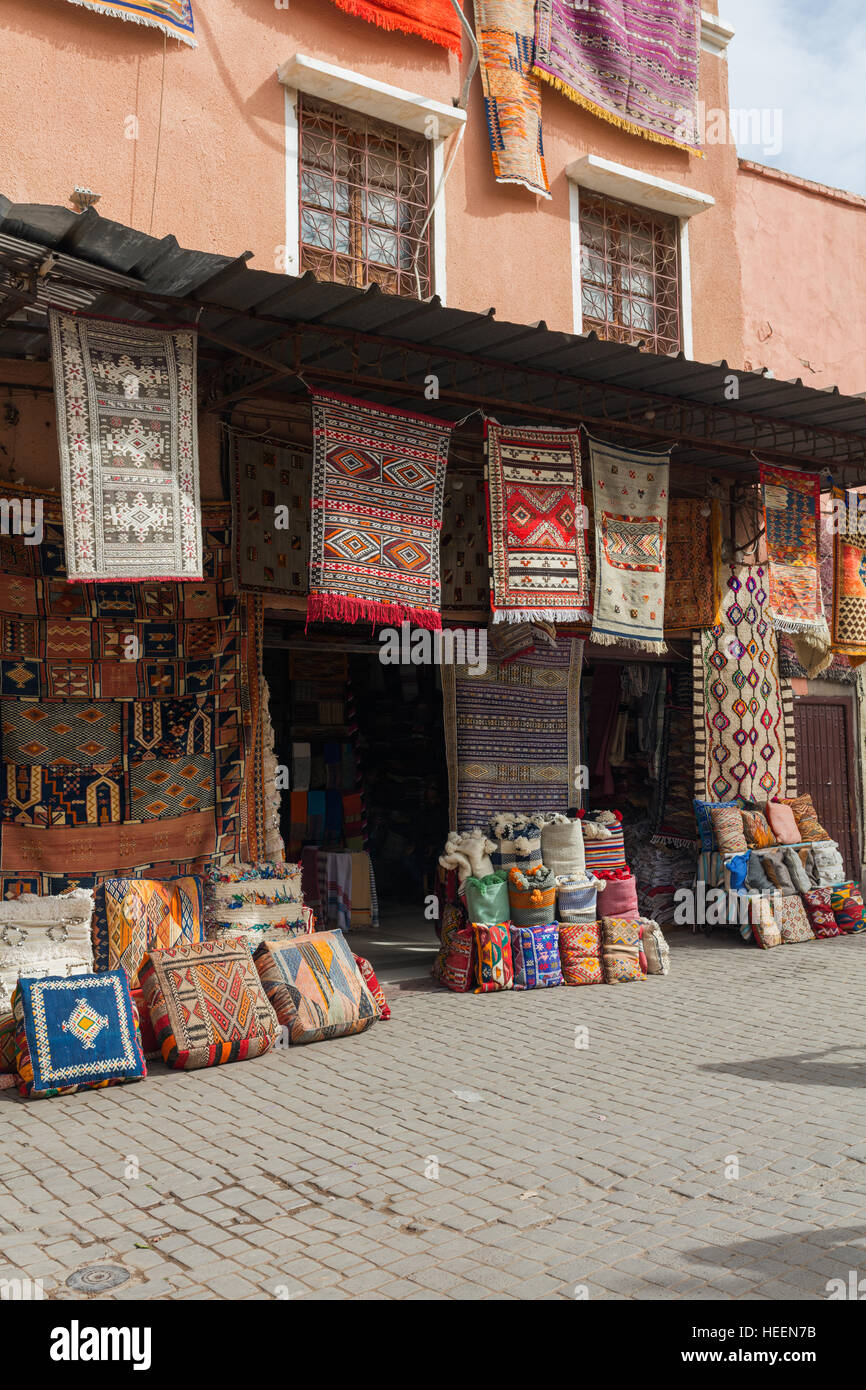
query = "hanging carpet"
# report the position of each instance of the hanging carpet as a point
(512, 98)
(378, 486)
(271, 547)
(743, 707)
(634, 63)
(512, 735)
(435, 20)
(692, 571)
(539, 568)
(792, 519)
(126, 422)
(849, 574)
(173, 17)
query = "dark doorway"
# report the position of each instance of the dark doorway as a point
(825, 769)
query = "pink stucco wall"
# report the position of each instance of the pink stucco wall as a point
(76, 83)
(802, 251)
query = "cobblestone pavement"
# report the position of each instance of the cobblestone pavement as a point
(312, 1172)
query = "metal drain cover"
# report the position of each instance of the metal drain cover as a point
(98, 1278)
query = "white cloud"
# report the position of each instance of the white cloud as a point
(808, 62)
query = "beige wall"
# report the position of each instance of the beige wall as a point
(802, 251)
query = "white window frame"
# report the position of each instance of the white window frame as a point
(356, 92)
(643, 190)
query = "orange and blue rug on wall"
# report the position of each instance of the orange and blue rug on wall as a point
(173, 17)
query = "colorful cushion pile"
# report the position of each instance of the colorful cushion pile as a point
(206, 1004)
(535, 956)
(315, 988)
(493, 964)
(74, 1032)
(580, 954)
(806, 816)
(622, 954)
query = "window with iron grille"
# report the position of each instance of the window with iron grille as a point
(629, 273)
(365, 195)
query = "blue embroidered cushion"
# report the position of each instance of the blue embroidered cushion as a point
(535, 956)
(75, 1031)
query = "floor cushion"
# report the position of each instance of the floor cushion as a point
(315, 988)
(535, 956)
(792, 921)
(756, 829)
(806, 816)
(819, 910)
(149, 1044)
(727, 824)
(368, 975)
(531, 896)
(453, 921)
(782, 823)
(7, 1043)
(493, 965)
(206, 1004)
(44, 936)
(827, 865)
(765, 931)
(487, 897)
(777, 872)
(756, 875)
(705, 825)
(134, 915)
(243, 897)
(458, 971)
(797, 871)
(580, 954)
(655, 948)
(846, 903)
(622, 950)
(75, 1032)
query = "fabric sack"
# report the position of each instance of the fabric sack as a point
(562, 848)
(487, 898)
(531, 897)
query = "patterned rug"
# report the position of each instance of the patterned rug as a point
(173, 17)
(791, 650)
(126, 425)
(692, 577)
(271, 548)
(512, 735)
(792, 518)
(537, 538)
(743, 708)
(632, 62)
(113, 765)
(435, 20)
(512, 99)
(849, 571)
(378, 486)
(630, 501)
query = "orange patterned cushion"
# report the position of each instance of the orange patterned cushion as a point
(757, 830)
(728, 829)
(806, 816)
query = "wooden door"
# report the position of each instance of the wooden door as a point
(825, 769)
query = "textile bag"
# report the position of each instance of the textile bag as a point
(487, 898)
(562, 848)
(532, 897)
(44, 936)
(517, 842)
(577, 900)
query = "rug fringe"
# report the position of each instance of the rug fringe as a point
(525, 183)
(620, 121)
(342, 608)
(633, 644)
(148, 23)
(361, 9)
(540, 615)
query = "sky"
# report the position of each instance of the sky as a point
(802, 63)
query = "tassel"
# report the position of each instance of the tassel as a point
(343, 608)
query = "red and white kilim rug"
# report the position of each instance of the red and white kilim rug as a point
(537, 525)
(378, 488)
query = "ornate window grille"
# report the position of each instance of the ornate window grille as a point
(364, 198)
(630, 273)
